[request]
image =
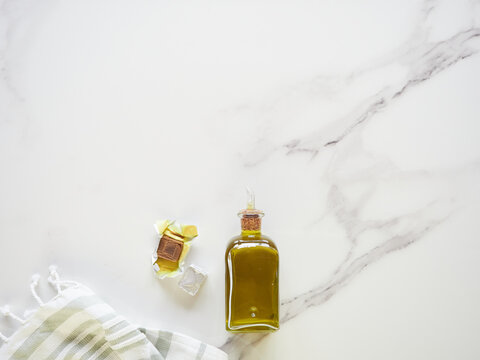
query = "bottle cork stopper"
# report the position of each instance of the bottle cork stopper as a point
(251, 222)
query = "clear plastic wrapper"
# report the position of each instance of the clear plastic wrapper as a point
(192, 279)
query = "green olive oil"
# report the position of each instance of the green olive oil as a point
(251, 277)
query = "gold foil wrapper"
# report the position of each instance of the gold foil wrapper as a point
(173, 246)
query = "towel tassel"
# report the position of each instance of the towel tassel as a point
(3, 337)
(5, 310)
(54, 278)
(33, 285)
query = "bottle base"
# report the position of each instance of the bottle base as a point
(252, 328)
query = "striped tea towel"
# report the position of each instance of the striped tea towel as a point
(77, 325)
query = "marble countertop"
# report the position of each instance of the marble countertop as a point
(356, 123)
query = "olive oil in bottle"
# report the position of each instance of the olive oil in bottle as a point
(251, 277)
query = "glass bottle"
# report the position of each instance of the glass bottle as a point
(251, 276)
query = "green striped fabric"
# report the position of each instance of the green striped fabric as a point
(77, 325)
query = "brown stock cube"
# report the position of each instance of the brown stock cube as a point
(169, 249)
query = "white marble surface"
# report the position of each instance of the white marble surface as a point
(357, 124)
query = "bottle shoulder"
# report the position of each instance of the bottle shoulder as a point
(260, 239)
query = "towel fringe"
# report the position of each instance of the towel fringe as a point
(54, 278)
(3, 337)
(5, 310)
(27, 313)
(33, 286)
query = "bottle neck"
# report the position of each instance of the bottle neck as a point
(251, 232)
